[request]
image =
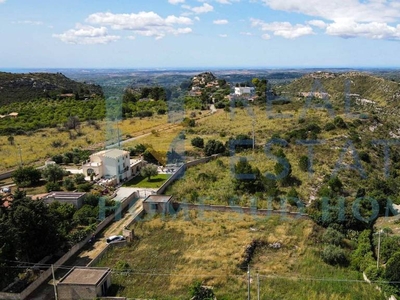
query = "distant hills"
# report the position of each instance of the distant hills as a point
(356, 85)
(30, 86)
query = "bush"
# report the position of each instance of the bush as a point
(214, 147)
(304, 163)
(332, 236)
(84, 187)
(52, 186)
(334, 255)
(143, 114)
(293, 197)
(58, 159)
(364, 156)
(91, 199)
(199, 292)
(362, 257)
(339, 123)
(372, 272)
(197, 142)
(86, 215)
(69, 184)
(122, 265)
(313, 128)
(329, 126)
(188, 122)
(161, 111)
(79, 178)
(392, 270)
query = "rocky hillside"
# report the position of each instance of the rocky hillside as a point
(360, 87)
(202, 79)
(26, 87)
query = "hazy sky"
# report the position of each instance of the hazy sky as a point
(199, 33)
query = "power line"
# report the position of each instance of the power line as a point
(157, 272)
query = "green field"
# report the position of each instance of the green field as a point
(154, 182)
(168, 255)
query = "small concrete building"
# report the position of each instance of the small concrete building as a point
(84, 283)
(74, 198)
(160, 204)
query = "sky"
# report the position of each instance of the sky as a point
(199, 33)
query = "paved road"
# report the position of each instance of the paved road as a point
(46, 291)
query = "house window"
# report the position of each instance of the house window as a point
(154, 206)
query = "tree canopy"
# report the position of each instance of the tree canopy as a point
(53, 173)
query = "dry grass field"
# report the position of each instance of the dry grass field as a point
(38, 146)
(169, 254)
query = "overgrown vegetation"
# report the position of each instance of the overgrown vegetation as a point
(170, 254)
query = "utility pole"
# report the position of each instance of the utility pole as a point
(258, 286)
(254, 142)
(379, 248)
(248, 282)
(54, 283)
(20, 156)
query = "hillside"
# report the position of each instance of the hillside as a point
(26, 87)
(360, 88)
(169, 254)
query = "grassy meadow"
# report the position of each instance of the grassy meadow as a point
(154, 182)
(268, 123)
(168, 255)
(39, 146)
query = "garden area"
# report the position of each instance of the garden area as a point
(143, 182)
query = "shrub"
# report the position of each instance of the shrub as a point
(304, 163)
(52, 186)
(122, 265)
(334, 255)
(86, 215)
(364, 156)
(214, 147)
(339, 123)
(372, 272)
(392, 270)
(332, 236)
(197, 142)
(188, 122)
(182, 136)
(293, 197)
(199, 292)
(143, 114)
(329, 126)
(362, 257)
(84, 187)
(69, 184)
(79, 178)
(58, 159)
(161, 111)
(313, 128)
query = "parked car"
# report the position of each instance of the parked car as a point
(6, 190)
(115, 238)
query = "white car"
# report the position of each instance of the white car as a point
(6, 190)
(115, 238)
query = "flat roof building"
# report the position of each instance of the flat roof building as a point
(157, 204)
(74, 198)
(84, 283)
